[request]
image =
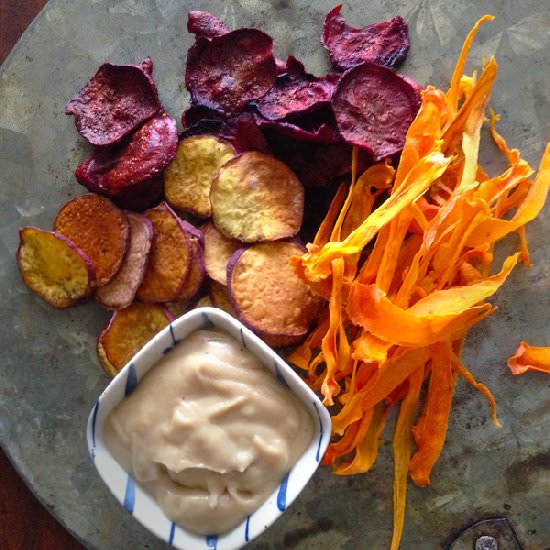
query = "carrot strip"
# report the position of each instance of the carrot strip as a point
(388, 377)
(402, 445)
(467, 375)
(399, 308)
(453, 95)
(495, 229)
(528, 358)
(431, 429)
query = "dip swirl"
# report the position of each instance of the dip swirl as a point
(209, 432)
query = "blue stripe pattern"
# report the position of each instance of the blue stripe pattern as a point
(318, 453)
(172, 533)
(131, 380)
(281, 495)
(279, 374)
(212, 542)
(174, 340)
(94, 420)
(243, 341)
(207, 322)
(247, 529)
(130, 495)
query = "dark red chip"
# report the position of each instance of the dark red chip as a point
(116, 100)
(228, 71)
(374, 107)
(203, 23)
(384, 43)
(295, 92)
(315, 164)
(242, 131)
(325, 132)
(129, 171)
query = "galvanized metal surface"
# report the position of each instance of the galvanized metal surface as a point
(49, 377)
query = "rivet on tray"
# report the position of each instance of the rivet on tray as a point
(486, 542)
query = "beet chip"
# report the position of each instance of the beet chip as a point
(203, 23)
(114, 102)
(128, 170)
(374, 108)
(295, 92)
(230, 70)
(384, 43)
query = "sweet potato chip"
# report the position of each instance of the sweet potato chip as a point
(188, 178)
(115, 102)
(129, 329)
(219, 297)
(256, 197)
(97, 227)
(169, 259)
(120, 291)
(266, 294)
(218, 250)
(196, 275)
(54, 268)
(384, 43)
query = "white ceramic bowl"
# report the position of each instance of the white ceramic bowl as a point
(141, 505)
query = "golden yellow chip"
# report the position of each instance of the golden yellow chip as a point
(256, 197)
(187, 179)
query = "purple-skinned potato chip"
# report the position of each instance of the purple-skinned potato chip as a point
(115, 101)
(228, 71)
(384, 43)
(128, 170)
(374, 107)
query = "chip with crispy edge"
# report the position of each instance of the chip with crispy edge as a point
(218, 250)
(128, 330)
(256, 197)
(197, 273)
(116, 100)
(99, 228)
(231, 69)
(219, 298)
(384, 43)
(188, 178)
(268, 296)
(169, 258)
(128, 170)
(54, 267)
(119, 292)
(374, 107)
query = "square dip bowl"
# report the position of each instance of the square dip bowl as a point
(140, 504)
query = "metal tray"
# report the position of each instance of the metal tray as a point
(49, 378)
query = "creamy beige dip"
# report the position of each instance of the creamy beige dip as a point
(209, 432)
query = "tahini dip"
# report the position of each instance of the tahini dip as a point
(209, 432)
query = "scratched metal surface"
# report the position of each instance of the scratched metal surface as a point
(49, 376)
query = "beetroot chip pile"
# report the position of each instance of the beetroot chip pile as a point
(241, 93)
(239, 90)
(119, 113)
